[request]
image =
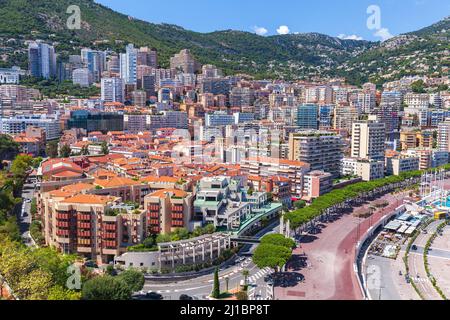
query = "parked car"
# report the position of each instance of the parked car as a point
(154, 296)
(414, 247)
(91, 264)
(185, 297)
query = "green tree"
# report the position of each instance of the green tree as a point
(216, 287)
(110, 271)
(299, 204)
(35, 285)
(272, 256)
(133, 278)
(51, 149)
(245, 274)
(241, 296)
(106, 288)
(278, 240)
(56, 264)
(10, 228)
(65, 151)
(59, 293)
(33, 207)
(85, 150)
(105, 148)
(418, 86)
(149, 242)
(8, 148)
(163, 238)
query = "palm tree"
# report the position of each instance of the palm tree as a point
(245, 273)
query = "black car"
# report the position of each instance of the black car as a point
(185, 297)
(153, 296)
(414, 247)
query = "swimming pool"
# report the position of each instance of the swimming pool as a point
(440, 203)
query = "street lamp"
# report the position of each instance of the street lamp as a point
(227, 280)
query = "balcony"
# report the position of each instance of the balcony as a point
(62, 233)
(84, 234)
(153, 215)
(84, 225)
(84, 217)
(110, 227)
(110, 244)
(62, 216)
(62, 224)
(109, 235)
(177, 216)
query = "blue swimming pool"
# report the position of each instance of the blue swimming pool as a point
(440, 203)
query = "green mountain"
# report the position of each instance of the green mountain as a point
(293, 56)
(423, 52)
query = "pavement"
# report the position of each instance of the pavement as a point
(417, 267)
(201, 287)
(24, 217)
(386, 279)
(439, 261)
(325, 260)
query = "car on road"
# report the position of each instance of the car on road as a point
(414, 247)
(185, 297)
(153, 296)
(91, 264)
(268, 278)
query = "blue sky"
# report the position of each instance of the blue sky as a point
(344, 18)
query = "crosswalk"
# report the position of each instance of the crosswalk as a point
(236, 270)
(259, 275)
(421, 280)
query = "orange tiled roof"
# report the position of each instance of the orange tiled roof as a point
(160, 179)
(21, 139)
(174, 192)
(280, 161)
(88, 199)
(66, 174)
(116, 182)
(61, 193)
(78, 187)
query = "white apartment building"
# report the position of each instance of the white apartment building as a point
(417, 100)
(368, 170)
(10, 76)
(82, 77)
(444, 136)
(18, 124)
(368, 139)
(113, 90)
(398, 164)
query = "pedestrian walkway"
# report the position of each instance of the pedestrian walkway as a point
(262, 273)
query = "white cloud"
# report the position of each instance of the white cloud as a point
(260, 30)
(283, 30)
(384, 34)
(350, 37)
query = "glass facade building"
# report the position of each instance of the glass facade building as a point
(100, 121)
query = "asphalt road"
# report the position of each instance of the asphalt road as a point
(25, 217)
(200, 288)
(381, 283)
(417, 268)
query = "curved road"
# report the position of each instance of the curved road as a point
(325, 260)
(417, 267)
(201, 287)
